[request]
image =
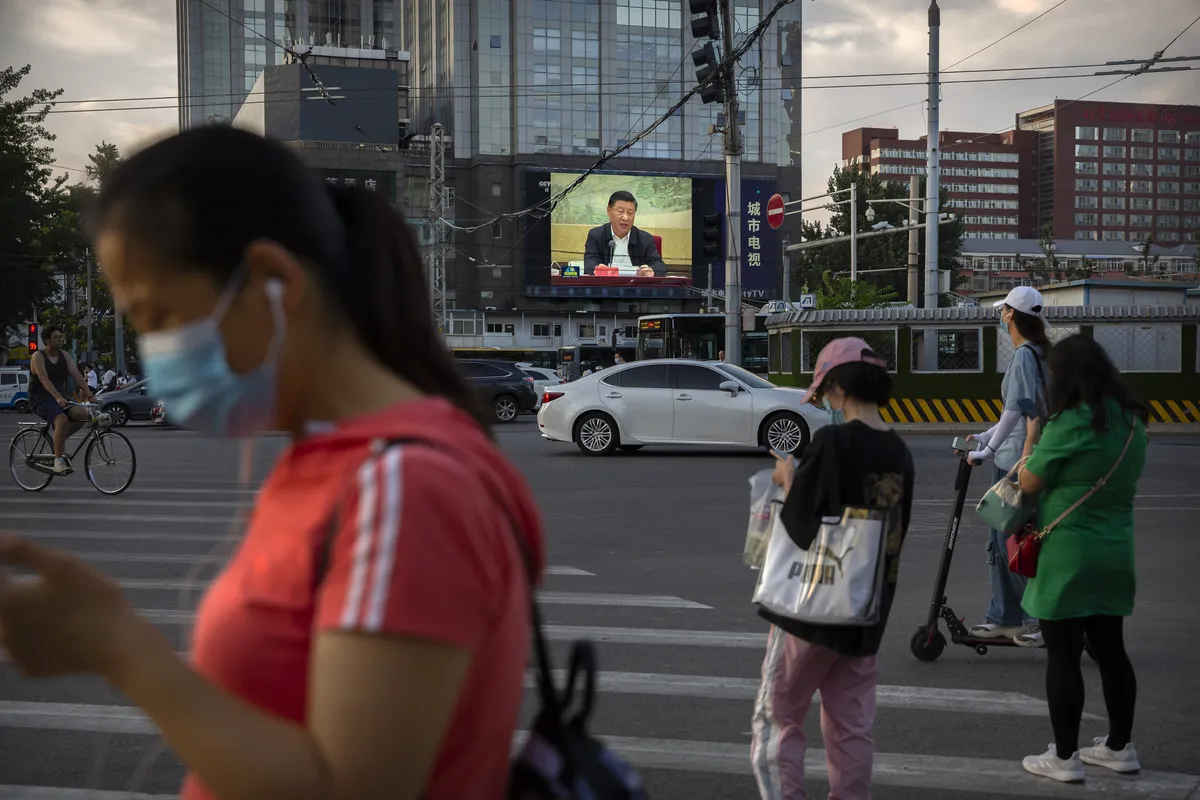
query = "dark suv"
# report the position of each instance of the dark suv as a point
(503, 387)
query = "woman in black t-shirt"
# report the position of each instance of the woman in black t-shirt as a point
(860, 463)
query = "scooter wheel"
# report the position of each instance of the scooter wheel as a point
(981, 649)
(924, 648)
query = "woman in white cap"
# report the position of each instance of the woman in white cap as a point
(860, 463)
(1024, 396)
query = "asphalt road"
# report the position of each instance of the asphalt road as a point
(647, 554)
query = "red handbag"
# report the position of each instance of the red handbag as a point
(1024, 547)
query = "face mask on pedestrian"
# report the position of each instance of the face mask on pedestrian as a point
(190, 373)
(1001, 322)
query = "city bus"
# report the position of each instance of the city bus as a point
(574, 359)
(547, 358)
(700, 336)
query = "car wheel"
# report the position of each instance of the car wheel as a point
(785, 432)
(22, 406)
(596, 434)
(504, 408)
(119, 414)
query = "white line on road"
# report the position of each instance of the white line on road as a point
(55, 793)
(164, 537)
(940, 773)
(104, 516)
(907, 697)
(187, 558)
(130, 501)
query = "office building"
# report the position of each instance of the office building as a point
(524, 92)
(1117, 172)
(990, 178)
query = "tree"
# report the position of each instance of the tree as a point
(104, 161)
(838, 291)
(27, 194)
(888, 252)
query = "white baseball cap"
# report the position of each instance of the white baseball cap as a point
(1025, 299)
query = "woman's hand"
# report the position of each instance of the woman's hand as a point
(785, 471)
(67, 619)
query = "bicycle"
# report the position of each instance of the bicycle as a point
(33, 447)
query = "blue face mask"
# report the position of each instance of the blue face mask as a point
(836, 417)
(188, 371)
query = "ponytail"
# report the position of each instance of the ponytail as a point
(386, 297)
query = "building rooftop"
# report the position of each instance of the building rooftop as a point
(1070, 247)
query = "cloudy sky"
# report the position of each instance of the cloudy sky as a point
(97, 49)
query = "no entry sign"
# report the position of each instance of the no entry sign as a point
(775, 211)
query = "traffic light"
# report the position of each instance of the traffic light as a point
(33, 337)
(712, 235)
(705, 16)
(705, 25)
(708, 74)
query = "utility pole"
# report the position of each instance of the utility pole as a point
(785, 263)
(437, 226)
(88, 257)
(733, 196)
(854, 230)
(119, 339)
(914, 241)
(931, 185)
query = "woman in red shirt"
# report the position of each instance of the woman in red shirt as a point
(369, 637)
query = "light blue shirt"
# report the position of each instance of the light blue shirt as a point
(1023, 388)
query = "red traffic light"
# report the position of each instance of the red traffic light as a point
(33, 347)
(33, 329)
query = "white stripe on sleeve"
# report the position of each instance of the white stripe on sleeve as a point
(389, 532)
(364, 532)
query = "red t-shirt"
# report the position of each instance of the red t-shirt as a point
(423, 549)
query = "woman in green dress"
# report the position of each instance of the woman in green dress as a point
(1086, 466)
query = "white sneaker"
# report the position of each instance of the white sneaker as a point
(1049, 765)
(1123, 761)
(61, 467)
(1030, 636)
(990, 630)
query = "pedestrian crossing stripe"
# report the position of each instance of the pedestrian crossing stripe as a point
(961, 411)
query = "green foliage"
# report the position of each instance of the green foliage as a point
(838, 291)
(881, 252)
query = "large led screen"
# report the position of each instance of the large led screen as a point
(587, 248)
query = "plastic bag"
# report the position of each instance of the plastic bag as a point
(766, 498)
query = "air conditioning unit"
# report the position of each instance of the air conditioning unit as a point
(489, 308)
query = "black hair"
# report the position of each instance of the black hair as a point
(201, 197)
(1031, 327)
(49, 331)
(1082, 373)
(869, 383)
(622, 195)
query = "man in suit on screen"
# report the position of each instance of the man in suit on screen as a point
(619, 244)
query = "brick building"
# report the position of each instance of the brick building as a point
(991, 179)
(1117, 172)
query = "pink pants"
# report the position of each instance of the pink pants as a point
(792, 673)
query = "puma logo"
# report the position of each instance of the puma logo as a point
(825, 552)
(809, 571)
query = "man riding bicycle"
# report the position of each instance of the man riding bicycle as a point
(52, 367)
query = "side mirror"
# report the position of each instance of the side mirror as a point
(730, 386)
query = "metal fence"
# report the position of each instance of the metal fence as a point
(1143, 348)
(1005, 349)
(881, 340)
(947, 349)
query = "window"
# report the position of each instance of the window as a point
(497, 230)
(1191, 187)
(1168, 236)
(462, 327)
(478, 369)
(1140, 220)
(1168, 221)
(1168, 154)
(495, 42)
(1086, 134)
(541, 330)
(1191, 172)
(1168, 187)
(1087, 150)
(1114, 151)
(1114, 167)
(501, 327)
(1168, 137)
(1191, 223)
(1191, 154)
(546, 40)
(662, 14)
(1086, 185)
(1113, 220)
(651, 376)
(1168, 170)
(1085, 201)
(584, 45)
(1144, 153)
(1168, 204)
(1085, 219)
(1086, 236)
(1114, 134)
(1141, 169)
(1191, 137)
(1142, 187)
(1116, 187)
(1114, 236)
(1141, 203)
(558, 330)
(689, 376)
(587, 330)
(1085, 168)
(497, 189)
(1114, 202)
(1142, 135)
(8, 379)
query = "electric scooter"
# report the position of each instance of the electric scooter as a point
(927, 642)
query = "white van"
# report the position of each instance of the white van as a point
(14, 389)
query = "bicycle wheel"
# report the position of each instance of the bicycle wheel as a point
(108, 453)
(29, 442)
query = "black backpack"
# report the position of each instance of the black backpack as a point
(560, 760)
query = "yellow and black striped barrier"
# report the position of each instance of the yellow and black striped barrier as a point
(968, 412)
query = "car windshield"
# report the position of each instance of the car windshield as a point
(746, 377)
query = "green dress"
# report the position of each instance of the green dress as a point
(1086, 566)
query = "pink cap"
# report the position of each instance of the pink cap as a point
(841, 351)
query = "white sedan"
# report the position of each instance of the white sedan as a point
(676, 402)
